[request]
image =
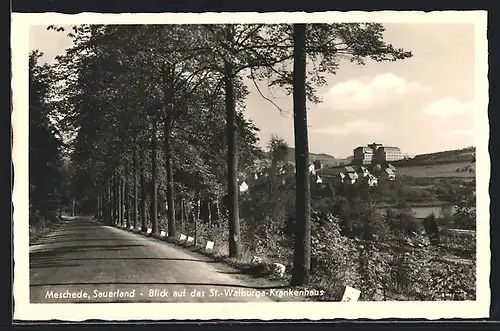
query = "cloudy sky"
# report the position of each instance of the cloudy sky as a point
(422, 104)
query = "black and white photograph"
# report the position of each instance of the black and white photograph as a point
(302, 164)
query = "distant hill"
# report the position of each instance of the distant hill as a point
(325, 159)
(450, 156)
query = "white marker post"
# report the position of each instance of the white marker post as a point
(182, 237)
(279, 269)
(190, 239)
(256, 260)
(131, 227)
(149, 231)
(350, 294)
(210, 245)
(163, 234)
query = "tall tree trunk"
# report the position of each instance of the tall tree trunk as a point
(209, 208)
(104, 193)
(103, 204)
(170, 178)
(135, 188)
(302, 256)
(232, 164)
(143, 193)
(186, 216)
(217, 210)
(115, 213)
(179, 212)
(196, 221)
(109, 205)
(126, 195)
(98, 207)
(120, 198)
(154, 193)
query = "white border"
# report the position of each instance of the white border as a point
(23, 310)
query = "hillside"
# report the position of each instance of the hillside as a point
(451, 156)
(456, 154)
(443, 157)
(325, 159)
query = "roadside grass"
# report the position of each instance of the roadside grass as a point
(265, 270)
(324, 288)
(260, 274)
(43, 227)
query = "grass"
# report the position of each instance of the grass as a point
(42, 228)
(258, 274)
(438, 170)
(262, 275)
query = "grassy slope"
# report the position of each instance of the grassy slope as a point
(325, 159)
(438, 170)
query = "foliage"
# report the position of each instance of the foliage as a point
(117, 79)
(46, 164)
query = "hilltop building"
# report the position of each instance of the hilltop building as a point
(388, 174)
(376, 153)
(363, 155)
(388, 154)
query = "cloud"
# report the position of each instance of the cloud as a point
(460, 133)
(352, 127)
(449, 106)
(356, 94)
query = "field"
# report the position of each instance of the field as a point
(423, 212)
(438, 170)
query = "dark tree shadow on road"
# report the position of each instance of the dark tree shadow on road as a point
(78, 239)
(48, 262)
(163, 284)
(55, 251)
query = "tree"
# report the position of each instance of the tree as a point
(45, 144)
(327, 44)
(465, 211)
(302, 255)
(432, 228)
(112, 69)
(278, 151)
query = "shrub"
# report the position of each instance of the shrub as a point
(332, 263)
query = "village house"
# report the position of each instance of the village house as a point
(312, 169)
(363, 172)
(349, 175)
(352, 177)
(371, 180)
(388, 174)
(350, 170)
(342, 177)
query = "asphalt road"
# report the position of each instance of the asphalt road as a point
(85, 261)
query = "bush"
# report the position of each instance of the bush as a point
(352, 243)
(332, 265)
(403, 221)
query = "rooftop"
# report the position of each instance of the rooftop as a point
(390, 147)
(349, 169)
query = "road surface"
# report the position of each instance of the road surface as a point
(85, 261)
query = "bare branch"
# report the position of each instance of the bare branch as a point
(282, 111)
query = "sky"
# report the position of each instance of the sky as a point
(422, 104)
